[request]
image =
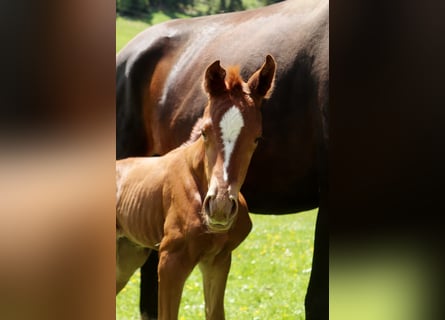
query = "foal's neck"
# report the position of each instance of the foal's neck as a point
(195, 157)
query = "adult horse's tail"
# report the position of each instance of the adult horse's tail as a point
(134, 70)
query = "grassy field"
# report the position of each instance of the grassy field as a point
(268, 279)
(270, 270)
(127, 28)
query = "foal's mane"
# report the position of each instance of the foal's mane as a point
(234, 82)
(195, 133)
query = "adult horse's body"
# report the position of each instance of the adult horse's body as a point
(159, 99)
(187, 203)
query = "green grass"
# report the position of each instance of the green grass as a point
(127, 28)
(268, 278)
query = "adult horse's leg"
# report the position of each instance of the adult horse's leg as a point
(148, 303)
(214, 273)
(317, 296)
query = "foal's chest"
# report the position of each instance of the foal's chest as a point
(214, 243)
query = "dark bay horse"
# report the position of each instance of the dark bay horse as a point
(187, 204)
(159, 99)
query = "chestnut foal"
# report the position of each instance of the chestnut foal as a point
(187, 204)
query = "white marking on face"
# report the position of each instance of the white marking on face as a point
(231, 124)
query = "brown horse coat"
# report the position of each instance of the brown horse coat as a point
(187, 204)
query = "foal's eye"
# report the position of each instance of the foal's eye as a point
(203, 134)
(257, 140)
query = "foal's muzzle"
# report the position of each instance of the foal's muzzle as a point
(220, 212)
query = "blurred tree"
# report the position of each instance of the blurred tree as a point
(222, 6)
(236, 5)
(171, 4)
(132, 7)
(141, 7)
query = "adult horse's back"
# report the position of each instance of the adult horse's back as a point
(160, 96)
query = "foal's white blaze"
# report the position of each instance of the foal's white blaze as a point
(231, 124)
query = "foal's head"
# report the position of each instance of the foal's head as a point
(231, 127)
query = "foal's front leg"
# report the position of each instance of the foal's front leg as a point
(174, 268)
(214, 272)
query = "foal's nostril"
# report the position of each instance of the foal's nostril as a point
(207, 204)
(234, 206)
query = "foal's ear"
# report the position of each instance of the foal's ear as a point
(261, 82)
(214, 82)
